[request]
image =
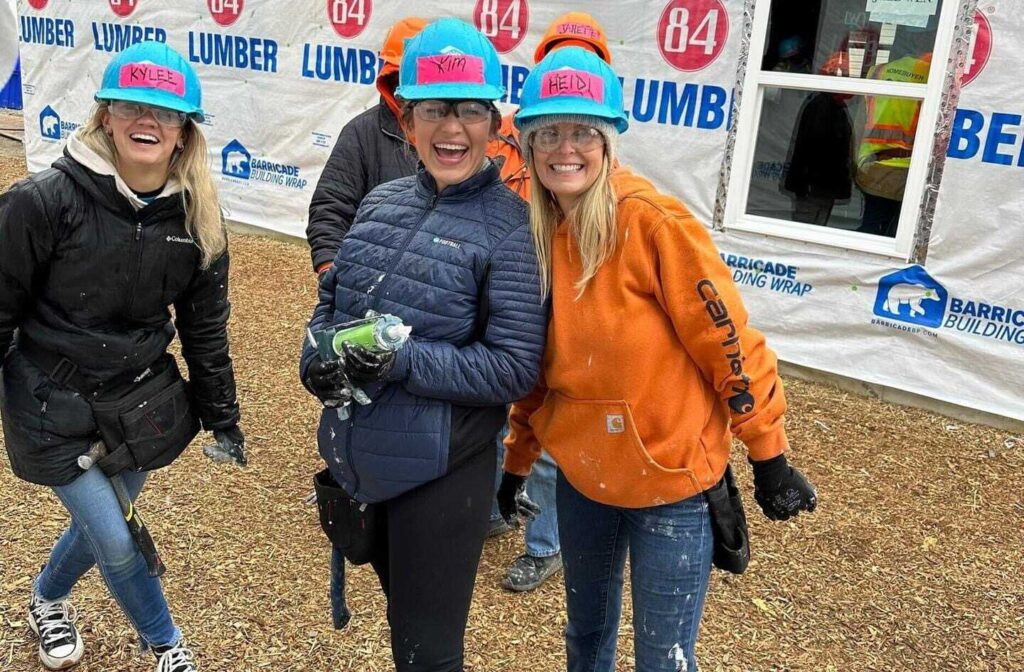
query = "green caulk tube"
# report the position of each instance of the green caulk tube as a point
(385, 333)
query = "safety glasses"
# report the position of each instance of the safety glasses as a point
(123, 109)
(581, 138)
(467, 111)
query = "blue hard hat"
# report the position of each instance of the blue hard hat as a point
(154, 74)
(572, 81)
(450, 59)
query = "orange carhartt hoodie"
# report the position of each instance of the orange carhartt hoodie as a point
(648, 374)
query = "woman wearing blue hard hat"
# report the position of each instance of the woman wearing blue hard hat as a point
(649, 370)
(449, 252)
(93, 253)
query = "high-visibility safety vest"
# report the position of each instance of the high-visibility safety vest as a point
(892, 122)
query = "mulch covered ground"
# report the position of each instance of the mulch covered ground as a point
(912, 562)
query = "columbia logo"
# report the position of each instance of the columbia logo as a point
(178, 239)
(450, 243)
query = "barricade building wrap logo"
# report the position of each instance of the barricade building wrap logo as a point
(349, 17)
(911, 296)
(693, 33)
(911, 300)
(237, 163)
(504, 22)
(52, 128)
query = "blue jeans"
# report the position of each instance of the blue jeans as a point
(98, 534)
(542, 531)
(670, 562)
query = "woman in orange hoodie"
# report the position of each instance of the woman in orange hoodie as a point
(650, 369)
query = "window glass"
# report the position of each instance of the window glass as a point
(831, 159)
(841, 38)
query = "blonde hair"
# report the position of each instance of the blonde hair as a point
(592, 225)
(190, 167)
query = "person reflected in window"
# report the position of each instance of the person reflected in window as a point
(883, 159)
(821, 157)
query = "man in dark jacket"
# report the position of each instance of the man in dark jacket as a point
(370, 150)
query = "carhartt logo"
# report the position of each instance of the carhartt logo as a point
(178, 239)
(615, 423)
(450, 243)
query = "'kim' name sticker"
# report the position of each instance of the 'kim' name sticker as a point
(449, 69)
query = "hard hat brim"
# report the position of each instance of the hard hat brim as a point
(154, 97)
(450, 92)
(571, 106)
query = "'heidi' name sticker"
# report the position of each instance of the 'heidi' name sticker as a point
(449, 69)
(149, 76)
(570, 82)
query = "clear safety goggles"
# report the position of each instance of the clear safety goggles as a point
(467, 111)
(581, 138)
(123, 109)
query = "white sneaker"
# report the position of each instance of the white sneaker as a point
(175, 659)
(60, 646)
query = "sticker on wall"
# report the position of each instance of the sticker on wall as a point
(349, 17)
(504, 22)
(693, 33)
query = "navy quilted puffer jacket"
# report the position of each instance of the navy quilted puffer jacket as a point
(433, 260)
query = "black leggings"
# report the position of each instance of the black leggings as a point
(427, 566)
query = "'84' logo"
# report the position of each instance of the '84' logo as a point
(692, 33)
(503, 22)
(349, 17)
(123, 7)
(225, 12)
(979, 49)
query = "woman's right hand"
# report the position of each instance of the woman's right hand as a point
(513, 502)
(328, 382)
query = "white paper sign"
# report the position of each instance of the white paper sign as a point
(904, 7)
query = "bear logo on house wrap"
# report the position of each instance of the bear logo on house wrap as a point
(49, 124)
(236, 160)
(911, 295)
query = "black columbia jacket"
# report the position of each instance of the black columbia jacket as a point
(87, 276)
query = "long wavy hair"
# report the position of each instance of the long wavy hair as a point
(190, 167)
(592, 225)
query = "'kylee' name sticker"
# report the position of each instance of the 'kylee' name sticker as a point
(149, 76)
(449, 69)
(572, 83)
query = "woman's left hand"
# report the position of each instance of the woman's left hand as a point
(366, 366)
(230, 446)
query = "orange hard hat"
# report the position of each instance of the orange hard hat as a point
(577, 29)
(394, 43)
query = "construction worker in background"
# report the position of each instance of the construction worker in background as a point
(543, 556)
(883, 159)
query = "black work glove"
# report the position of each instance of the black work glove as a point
(780, 490)
(366, 366)
(229, 446)
(329, 382)
(513, 502)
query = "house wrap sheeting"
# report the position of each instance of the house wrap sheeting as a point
(281, 79)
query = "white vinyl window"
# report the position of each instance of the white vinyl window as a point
(836, 124)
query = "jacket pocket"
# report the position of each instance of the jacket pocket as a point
(598, 448)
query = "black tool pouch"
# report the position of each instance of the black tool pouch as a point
(352, 526)
(729, 524)
(148, 427)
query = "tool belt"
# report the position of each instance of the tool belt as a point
(354, 527)
(729, 525)
(145, 428)
(879, 179)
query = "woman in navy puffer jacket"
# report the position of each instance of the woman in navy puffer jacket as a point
(449, 251)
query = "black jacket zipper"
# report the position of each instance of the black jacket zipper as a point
(139, 242)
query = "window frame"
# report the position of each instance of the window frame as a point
(755, 81)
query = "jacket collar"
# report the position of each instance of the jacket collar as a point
(468, 188)
(102, 168)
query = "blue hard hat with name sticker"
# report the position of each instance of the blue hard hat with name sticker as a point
(153, 74)
(572, 81)
(450, 60)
